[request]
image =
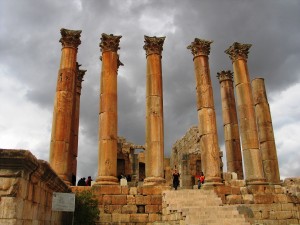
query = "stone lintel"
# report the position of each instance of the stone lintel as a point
(39, 170)
(110, 42)
(153, 45)
(225, 75)
(200, 47)
(238, 51)
(70, 38)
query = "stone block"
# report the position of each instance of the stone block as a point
(288, 207)
(233, 199)
(106, 189)
(143, 200)
(119, 200)
(154, 217)
(280, 198)
(8, 206)
(244, 190)
(120, 218)
(247, 199)
(131, 200)
(283, 215)
(107, 199)
(113, 209)
(223, 190)
(139, 218)
(154, 190)
(27, 210)
(156, 199)
(227, 176)
(235, 190)
(263, 198)
(129, 209)
(256, 189)
(125, 190)
(133, 191)
(152, 209)
(106, 218)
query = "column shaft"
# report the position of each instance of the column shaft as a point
(108, 114)
(154, 112)
(252, 155)
(61, 135)
(230, 123)
(265, 131)
(210, 155)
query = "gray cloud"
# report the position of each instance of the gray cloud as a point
(30, 53)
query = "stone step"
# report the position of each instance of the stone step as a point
(188, 207)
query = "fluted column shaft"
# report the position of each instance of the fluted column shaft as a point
(80, 75)
(230, 124)
(108, 115)
(265, 131)
(61, 135)
(154, 153)
(210, 155)
(245, 107)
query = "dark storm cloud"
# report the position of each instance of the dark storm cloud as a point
(30, 52)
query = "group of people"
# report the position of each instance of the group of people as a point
(83, 182)
(176, 181)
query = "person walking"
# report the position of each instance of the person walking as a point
(176, 176)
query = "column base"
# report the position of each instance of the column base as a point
(258, 181)
(153, 181)
(107, 180)
(213, 181)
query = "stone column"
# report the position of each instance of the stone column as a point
(210, 155)
(230, 124)
(80, 75)
(265, 131)
(154, 153)
(238, 53)
(63, 106)
(108, 115)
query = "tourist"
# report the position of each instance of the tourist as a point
(89, 181)
(81, 182)
(176, 176)
(201, 180)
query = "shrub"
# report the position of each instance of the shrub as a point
(86, 208)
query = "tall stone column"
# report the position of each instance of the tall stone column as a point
(210, 155)
(63, 106)
(230, 124)
(265, 131)
(108, 115)
(80, 75)
(154, 153)
(238, 53)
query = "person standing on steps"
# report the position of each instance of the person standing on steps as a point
(176, 176)
(201, 180)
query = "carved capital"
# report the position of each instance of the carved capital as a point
(80, 75)
(70, 38)
(200, 47)
(119, 62)
(238, 51)
(225, 75)
(109, 42)
(153, 45)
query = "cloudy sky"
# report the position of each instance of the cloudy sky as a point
(30, 54)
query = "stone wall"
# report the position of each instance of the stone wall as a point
(26, 188)
(263, 204)
(127, 205)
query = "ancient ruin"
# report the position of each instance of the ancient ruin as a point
(27, 184)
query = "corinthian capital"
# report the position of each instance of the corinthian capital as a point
(200, 47)
(70, 38)
(238, 51)
(109, 43)
(225, 75)
(153, 45)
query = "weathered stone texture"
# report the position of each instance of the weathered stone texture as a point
(26, 189)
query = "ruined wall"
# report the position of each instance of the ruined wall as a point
(127, 205)
(26, 188)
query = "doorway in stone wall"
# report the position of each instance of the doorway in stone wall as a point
(120, 167)
(142, 174)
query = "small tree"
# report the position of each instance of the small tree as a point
(86, 208)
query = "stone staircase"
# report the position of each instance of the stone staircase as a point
(201, 207)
